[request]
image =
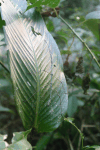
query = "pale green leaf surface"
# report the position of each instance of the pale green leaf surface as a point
(80, 103)
(36, 70)
(95, 147)
(19, 141)
(20, 145)
(17, 136)
(2, 142)
(2, 145)
(93, 15)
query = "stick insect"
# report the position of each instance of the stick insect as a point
(34, 32)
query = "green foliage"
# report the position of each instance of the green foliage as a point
(43, 141)
(52, 3)
(94, 147)
(38, 3)
(50, 26)
(95, 26)
(2, 142)
(19, 141)
(84, 94)
(2, 22)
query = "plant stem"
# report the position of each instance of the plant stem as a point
(56, 12)
(93, 56)
(81, 137)
(82, 143)
(4, 67)
(81, 134)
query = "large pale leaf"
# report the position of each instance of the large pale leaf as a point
(36, 70)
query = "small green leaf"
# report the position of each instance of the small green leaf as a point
(2, 22)
(65, 52)
(62, 36)
(38, 3)
(62, 33)
(50, 26)
(95, 147)
(17, 136)
(93, 25)
(93, 21)
(4, 109)
(41, 144)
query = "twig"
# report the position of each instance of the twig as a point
(81, 23)
(89, 126)
(55, 12)
(79, 143)
(4, 67)
(80, 40)
(71, 44)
